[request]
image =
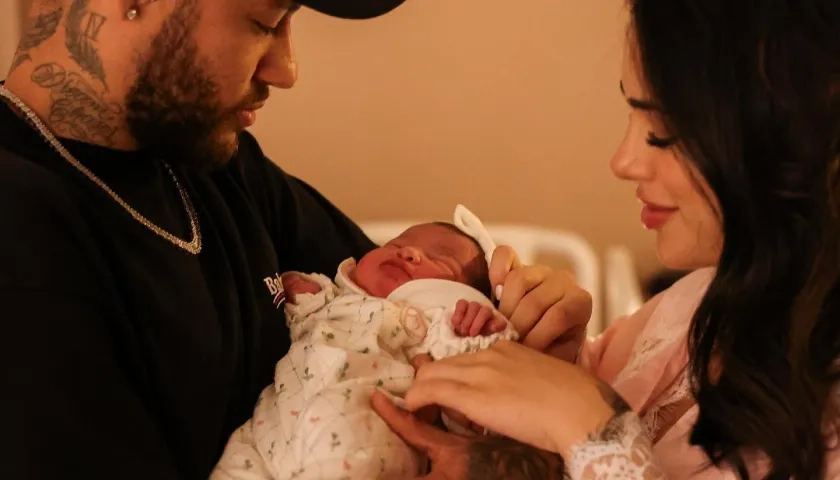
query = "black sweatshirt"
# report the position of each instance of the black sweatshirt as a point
(123, 356)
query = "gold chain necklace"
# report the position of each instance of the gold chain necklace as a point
(193, 246)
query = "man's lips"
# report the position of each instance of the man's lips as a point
(254, 107)
(248, 115)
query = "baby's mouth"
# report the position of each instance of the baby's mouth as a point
(398, 268)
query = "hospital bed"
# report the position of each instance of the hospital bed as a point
(621, 292)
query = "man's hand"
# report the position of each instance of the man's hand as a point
(472, 318)
(456, 457)
(547, 307)
(294, 284)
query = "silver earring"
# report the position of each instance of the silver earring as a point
(132, 13)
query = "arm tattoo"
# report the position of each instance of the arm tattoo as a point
(613, 430)
(619, 449)
(501, 458)
(77, 110)
(37, 31)
(80, 39)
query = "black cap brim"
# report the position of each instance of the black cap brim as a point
(352, 9)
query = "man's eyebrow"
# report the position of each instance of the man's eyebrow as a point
(637, 103)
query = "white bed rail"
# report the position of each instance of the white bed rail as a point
(622, 292)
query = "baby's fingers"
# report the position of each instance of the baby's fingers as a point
(482, 319)
(496, 325)
(458, 315)
(473, 310)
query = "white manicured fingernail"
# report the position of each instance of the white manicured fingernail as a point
(498, 292)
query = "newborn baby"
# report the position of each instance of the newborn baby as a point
(355, 335)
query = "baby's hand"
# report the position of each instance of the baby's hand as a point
(473, 318)
(294, 284)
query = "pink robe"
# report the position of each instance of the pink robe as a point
(644, 357)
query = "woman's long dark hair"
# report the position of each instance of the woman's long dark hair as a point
(751, 89)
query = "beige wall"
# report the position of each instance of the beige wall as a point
(511, 110)
(9, 31)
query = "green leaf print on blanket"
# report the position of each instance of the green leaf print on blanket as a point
(343, 372)
(396, 331)
(298, 473)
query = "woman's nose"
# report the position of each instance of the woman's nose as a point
(410, 254)
(631, 160)
(278, 67)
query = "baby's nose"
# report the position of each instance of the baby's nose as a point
(410, 254)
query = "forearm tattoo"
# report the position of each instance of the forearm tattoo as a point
(83, 27)
(619, 449)
(613, 430)
(36, 31)
(500, 458)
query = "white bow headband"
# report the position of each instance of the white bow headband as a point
(470, 224)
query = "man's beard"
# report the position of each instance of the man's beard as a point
(173, 109)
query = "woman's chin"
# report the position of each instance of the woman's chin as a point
(680, 255)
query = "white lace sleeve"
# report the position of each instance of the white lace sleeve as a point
(621, 451)
(442, 342)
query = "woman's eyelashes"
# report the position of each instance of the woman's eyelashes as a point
(660, 142)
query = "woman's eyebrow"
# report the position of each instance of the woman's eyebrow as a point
(639, 104)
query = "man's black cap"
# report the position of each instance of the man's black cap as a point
(355, 9)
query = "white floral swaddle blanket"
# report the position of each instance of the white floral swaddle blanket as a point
(315, 421)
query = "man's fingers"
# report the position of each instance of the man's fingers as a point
(426, 414)
(419, 360)
(503, 261)
(416, 433)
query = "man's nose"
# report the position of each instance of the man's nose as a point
(278, 67)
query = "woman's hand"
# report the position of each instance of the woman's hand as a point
(519, 393)
(455, 457)
(547, 307)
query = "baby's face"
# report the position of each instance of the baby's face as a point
(422, 251)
